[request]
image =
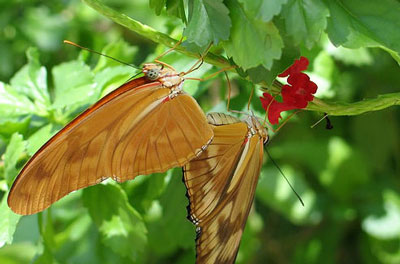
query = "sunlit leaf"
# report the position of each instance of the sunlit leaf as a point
(31, 80)
(40, 137)
(73, 84)
(121, 226)
(9, 126)
(13, 104)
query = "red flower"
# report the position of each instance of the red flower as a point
(296, 95)
(297, 67)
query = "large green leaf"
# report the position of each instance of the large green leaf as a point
(9, 126)
(357, 23)
(305, 20)
(111, 78)
(73, 84)
(40, 137)
(119, 50)
(14, 104)
(263, 10)
(121, 226)
(252, 42)
(208, 21)
(31, 81)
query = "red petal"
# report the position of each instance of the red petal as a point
(275, 110)
(298, 66)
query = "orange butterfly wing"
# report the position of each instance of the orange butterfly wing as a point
(220, 185)
(134, 130)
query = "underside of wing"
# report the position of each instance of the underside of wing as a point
(221, 184)
(134, 131)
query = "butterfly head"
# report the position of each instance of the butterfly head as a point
(257, 128)
(165, 75)
(152, 71)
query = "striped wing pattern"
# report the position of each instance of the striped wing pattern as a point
(135, 130)
(220, 185)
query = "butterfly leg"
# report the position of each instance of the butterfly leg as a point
(179, 42)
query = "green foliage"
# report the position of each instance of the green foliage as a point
(347, 177)
(121, 226)
(261, 40)
(208, 22)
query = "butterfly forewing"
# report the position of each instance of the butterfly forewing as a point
(220, 185)
(135, 130)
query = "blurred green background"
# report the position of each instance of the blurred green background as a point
(348, 177)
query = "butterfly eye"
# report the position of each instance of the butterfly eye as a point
(153, 74)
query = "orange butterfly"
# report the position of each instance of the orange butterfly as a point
(145, 126)
(221, 183)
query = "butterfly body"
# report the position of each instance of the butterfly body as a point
(221, 183)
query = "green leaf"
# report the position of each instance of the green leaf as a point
(121, 226)
(263, 10)
(73, 84)
(31, 80)
(9, 126)
(8, 222)
(38, 139)
(305, 20)
(357, 23)
(172, 225)
(145, 189)
(119, 50)
(252, 43)
(289, 54)
(14, 104)
(13, 152)
(109, 79)
(208, 22)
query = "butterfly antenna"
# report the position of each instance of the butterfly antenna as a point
(291, 187)
(133, 77)
(99, 53)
